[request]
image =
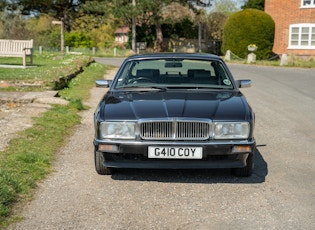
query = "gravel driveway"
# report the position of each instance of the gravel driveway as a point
(279, 194)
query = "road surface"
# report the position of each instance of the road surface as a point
(279, 195)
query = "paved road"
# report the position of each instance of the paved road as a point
(110, 61)
(279, 195)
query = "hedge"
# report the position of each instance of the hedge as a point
(249, 26)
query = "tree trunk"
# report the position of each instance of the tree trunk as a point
(159, 36)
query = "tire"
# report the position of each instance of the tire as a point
(247, 170)
(99, 167)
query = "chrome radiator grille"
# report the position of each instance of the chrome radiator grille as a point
(175, 130)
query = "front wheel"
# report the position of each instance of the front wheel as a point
(99, 166)
(247, 170)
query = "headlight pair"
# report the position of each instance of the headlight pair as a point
(221, 130)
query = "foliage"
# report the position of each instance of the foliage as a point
(295, 61)
(43, 32)
(100, 30)
(104, 35)
(60, 9)
(254, 4)
(175, 12)
(12, 26)
(77, 88)
(182, 29)
(226, 7)
(78, 40)
(145, 33)
(215, 25)
(246, 27)
(96, 18)
(147, 12)
(151, 13)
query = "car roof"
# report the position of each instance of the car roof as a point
(201, 56)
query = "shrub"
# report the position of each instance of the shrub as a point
(78, 40)
(246, 27)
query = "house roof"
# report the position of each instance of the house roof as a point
(122, 30)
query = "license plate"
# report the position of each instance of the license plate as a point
(175, 152)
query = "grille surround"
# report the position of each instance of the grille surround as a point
(175, 129)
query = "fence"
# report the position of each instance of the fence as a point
(112, 52)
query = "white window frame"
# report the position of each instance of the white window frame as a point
(308, 37)
(307, 3)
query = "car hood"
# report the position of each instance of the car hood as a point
(134, 105)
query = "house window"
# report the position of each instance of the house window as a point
(307, 3)
(302, 36)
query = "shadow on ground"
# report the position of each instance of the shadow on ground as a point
(206, 176)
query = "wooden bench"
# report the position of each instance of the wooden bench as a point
(17, 48)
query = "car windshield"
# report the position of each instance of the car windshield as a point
(173, 73)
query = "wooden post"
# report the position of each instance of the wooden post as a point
(62, 40)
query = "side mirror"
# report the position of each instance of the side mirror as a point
(103, 83)
(244, 83)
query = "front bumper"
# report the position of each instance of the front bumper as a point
(134, 154)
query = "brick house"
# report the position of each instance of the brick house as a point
(295, 26)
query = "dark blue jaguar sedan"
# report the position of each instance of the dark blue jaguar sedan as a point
(174, 111)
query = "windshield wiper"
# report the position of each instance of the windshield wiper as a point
(159, 88)
(212, 87)
(142, 88)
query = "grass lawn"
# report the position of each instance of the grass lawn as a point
(28, 158)
(47, 68)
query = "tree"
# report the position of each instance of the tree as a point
(254, 4)
(95, 20)
(221, 10)
(215, 24)
(64, 10)
(226, 7)
(12, 26)
(43, 32)
(247, 27)
(91, 15)
(151, 12)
